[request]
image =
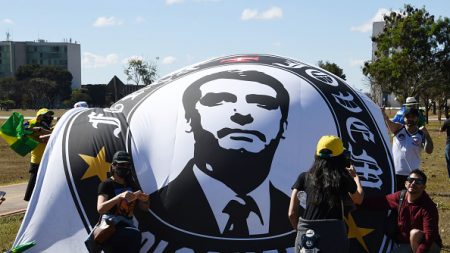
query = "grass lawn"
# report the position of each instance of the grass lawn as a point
(9, 226)
(14, 168)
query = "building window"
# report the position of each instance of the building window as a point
(41, 62)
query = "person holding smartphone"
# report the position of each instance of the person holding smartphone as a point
(117, 198)
(329, 182)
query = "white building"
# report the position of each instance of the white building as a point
(13, 54)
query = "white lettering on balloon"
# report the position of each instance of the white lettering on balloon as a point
(322, 77)
(116, 108)
(292, 65)
(347, 102)
(355, 125)
(368, 168)
(97, 119)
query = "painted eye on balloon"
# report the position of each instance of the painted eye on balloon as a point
(263, 101)
(215, 99)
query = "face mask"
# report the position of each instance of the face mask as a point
(123, 172)
(47, 121)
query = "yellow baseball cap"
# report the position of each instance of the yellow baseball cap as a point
(329, 146)
(43, 111)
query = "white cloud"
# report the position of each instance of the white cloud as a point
(169, 60)
(271, 13)
(107, 21)
(367, 27)
(91, 60)
(248, 14)
(140, 19)
(356, 62)
(170, 2)
(8, 21)
(133, 57)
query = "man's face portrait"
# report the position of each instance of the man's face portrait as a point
(245, 113)
(237, 119)
(411, 119)
(415, 184)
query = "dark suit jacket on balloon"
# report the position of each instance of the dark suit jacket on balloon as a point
(181, 209)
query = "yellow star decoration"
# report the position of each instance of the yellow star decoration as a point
(98, 166)
(357, 232)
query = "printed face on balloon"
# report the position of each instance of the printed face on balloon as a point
(246, 107)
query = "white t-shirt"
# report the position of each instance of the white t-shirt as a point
(406, 150)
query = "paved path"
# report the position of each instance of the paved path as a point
(14, 198)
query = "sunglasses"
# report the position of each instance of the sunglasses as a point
(123, 165)
(417, 181)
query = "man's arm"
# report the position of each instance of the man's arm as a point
(382, 202)
(428, 145)
(430, 230)
(393, 127)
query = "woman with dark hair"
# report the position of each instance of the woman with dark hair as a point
(117, 198)
(327, 184)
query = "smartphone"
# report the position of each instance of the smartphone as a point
(2, 194)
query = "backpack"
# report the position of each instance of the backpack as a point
(391, 227)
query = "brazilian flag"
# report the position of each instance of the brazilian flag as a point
(13, 132)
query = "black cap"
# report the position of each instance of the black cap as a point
(121, 157)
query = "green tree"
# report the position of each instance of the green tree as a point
(39, 92)
(333, 68)
(78, 95)
(58, 79)
(9, 90)
(410, 55)
(138, 71)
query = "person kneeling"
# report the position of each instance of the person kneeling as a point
(117, 198)
(418, 218)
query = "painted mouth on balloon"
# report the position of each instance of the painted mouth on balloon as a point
(241, 138)
(239, 132)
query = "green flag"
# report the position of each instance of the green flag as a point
(22, 247)
(13, 132)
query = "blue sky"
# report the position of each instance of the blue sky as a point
(182, 32)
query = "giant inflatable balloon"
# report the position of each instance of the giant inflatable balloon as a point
(232, 129)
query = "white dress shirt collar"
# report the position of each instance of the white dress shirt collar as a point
(218, 196)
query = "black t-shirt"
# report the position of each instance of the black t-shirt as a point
(323, 210)
(446, 127)
(111, 188)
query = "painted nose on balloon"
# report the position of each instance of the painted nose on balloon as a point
(242, 119)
